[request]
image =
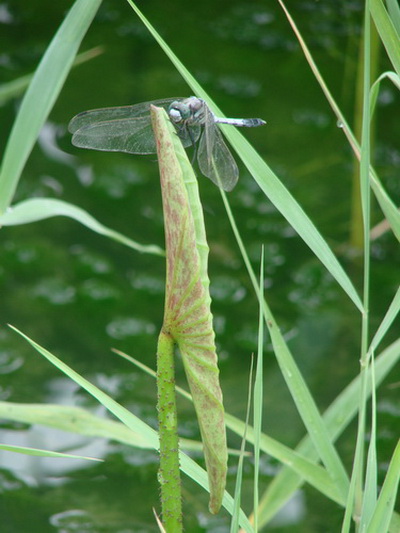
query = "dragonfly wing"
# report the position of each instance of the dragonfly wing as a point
(214, 158)
(131, 135)
(124, 129)
(87, 118)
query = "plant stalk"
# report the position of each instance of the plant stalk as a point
(168, 474)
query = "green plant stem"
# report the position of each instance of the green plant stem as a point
(356, 492)
(168, 476)
(356, 225)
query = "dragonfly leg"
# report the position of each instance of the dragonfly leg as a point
(193, 141)
(184, 131)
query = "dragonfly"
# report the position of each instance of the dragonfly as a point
(128, 129)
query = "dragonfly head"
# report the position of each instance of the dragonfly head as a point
(190, 110)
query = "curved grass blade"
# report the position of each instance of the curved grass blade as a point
(187, 315)
(82, 422)
(37, 209)
(387, 32)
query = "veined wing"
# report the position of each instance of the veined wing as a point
(214, 158)
(123, 129)
(131, 135)
(105, 114)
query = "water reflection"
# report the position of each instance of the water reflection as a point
(122, 327)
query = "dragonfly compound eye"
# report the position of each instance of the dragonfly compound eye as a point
(175, 115)
(195, 104)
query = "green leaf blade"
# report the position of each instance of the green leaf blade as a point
(41, 95)
(187, 316)
(36, 209)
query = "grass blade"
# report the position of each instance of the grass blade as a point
(239, 473)
(82, 422)
(383, 513)
(258, 397)
(387, 32)
(37, 209)
(41, 95)
(387, 321)
(43, 453)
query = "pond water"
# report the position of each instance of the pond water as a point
(79, 294)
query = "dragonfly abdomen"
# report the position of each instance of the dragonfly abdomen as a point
(241, 122)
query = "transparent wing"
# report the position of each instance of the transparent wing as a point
(105, 114)
(131, 135)
(123, 129)
(214, 158)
